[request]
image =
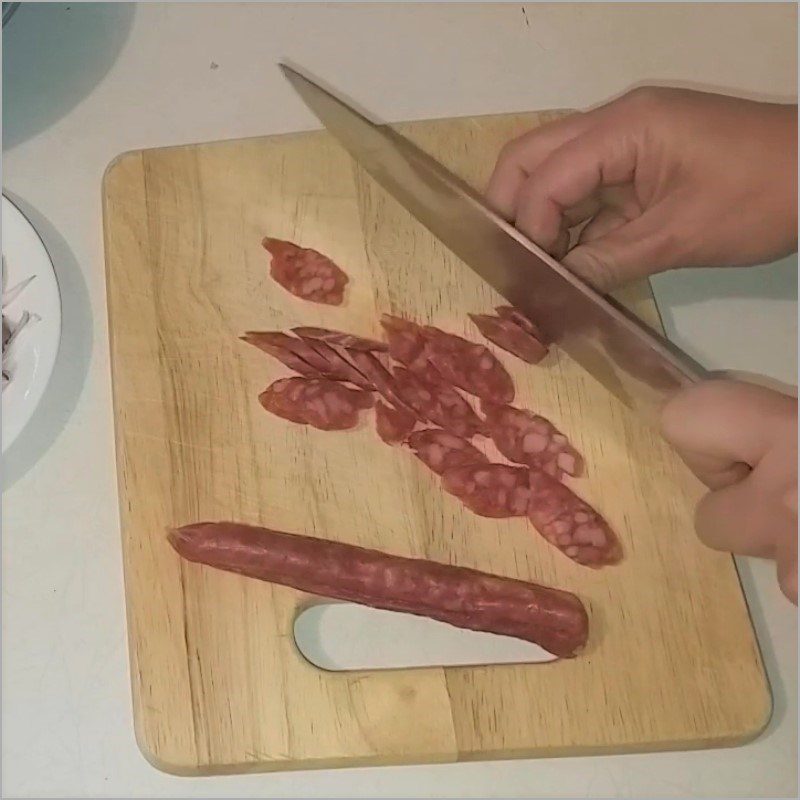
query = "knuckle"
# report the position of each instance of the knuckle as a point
(645, 97)
(510, 151)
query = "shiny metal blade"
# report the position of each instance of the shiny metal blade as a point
(638, 366)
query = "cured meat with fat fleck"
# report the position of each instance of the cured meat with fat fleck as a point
(407, 341)
(285, 355)
(518, 318)
(510, 337)
(490, 490)
(340, 339)
(470, 366)
(435, 400)
(569, 523)
(527, 438)
(340, 368)
(440, 450)
(310, 359)
(554, 619)
(305, 273)
(319, 402)
(393, 424)
(380, 377)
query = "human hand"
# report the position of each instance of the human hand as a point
(665, 177)
(718, 427)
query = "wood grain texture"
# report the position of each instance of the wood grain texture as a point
(218, 683)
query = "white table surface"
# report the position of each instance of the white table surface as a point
(82, 84)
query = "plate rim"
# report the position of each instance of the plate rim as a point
(51, 352)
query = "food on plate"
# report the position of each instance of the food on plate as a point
(553, 619)
(319, 402)
(12, 329)
(527, 438)
(306, 273)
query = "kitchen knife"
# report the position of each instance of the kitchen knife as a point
(641, 368)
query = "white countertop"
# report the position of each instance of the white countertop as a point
(82, 84)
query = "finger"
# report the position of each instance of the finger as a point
(627, 252)
(561, 245)
(605, 221)
(568, 176)
(575, 215)
(521, 156)
(736, 519)
(719, 424)
(713, 472)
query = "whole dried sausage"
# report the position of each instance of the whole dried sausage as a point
(554, 619)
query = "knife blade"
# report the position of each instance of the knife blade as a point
(632, 361)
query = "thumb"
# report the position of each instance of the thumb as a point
(722, 427)
(632, 250)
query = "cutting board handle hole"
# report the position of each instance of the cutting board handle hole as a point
(343, 637)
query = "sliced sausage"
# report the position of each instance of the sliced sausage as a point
(440, 450)
(316, 359)
(319, 402)
(305, 273)
(393, 424)
(347, 340)
(434, 400)
(489, 490)
(569, 523)
(510, 337)
(407, 341)
(518, 318)
(340, 367)
(286, 356)
(465, 598)
(380, 377)
(470, 366)
(527, 438)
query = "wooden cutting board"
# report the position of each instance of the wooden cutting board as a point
(218, 682)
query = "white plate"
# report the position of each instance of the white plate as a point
(33, 353)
